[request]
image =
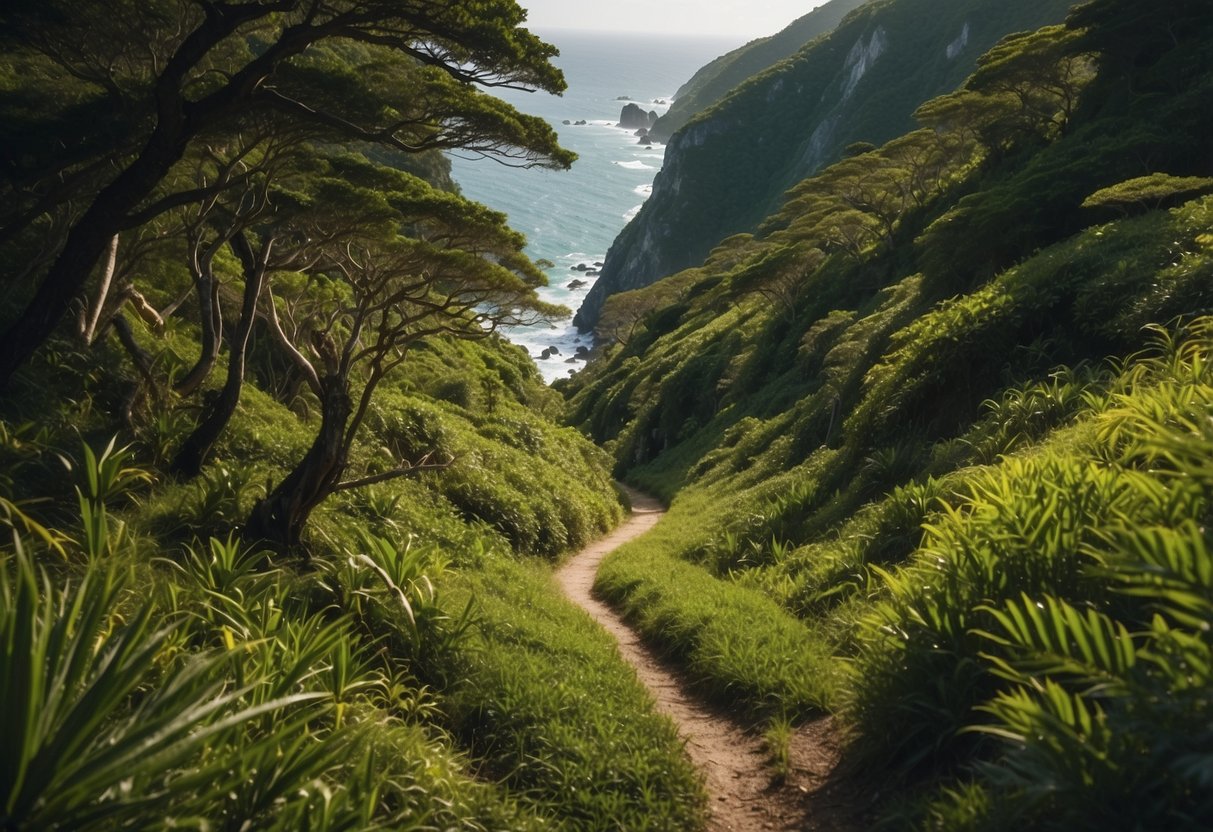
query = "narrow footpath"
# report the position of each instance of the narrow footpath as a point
(744, 794)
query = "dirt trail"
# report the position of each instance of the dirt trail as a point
(743, 792)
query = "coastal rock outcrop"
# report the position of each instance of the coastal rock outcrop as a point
(633, 116)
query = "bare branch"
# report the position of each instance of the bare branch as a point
(403, 470)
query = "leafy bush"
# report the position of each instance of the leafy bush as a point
(1061, 598)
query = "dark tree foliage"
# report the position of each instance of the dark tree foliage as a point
(100, 100)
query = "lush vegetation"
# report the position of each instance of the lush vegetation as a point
(727, 169)
(277, 505)
(391, 680)
(949, 407)
(278, 508)
(738, 646)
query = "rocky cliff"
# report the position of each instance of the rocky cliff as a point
(729, 166)
(715, 80)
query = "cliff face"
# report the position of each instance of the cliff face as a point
(729, 166)
(715, 80)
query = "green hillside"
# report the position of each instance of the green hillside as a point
(715, 80)
(729, 167)
(948, 412)
(278, 508)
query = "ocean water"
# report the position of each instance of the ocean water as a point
(572, 217)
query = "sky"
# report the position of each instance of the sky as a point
(745, 19)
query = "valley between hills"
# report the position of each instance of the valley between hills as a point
(883, 503)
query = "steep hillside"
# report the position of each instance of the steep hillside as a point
(949, 407)
(715, 80)
(278, 508)
(729, 167)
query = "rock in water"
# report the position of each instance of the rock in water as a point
(633, 116)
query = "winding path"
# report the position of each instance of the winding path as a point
(743, 792)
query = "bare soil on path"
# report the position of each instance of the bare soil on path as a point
(744, 793)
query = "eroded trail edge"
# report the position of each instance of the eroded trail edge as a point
(743, 793)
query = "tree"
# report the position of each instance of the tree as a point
(779, 275)
(399, 262)
(258, 206)
(1042, 75)
(1145, 193)
(167, 73)
(625, 314)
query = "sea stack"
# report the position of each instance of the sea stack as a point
(634, 117)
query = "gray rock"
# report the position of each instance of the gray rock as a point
(633, 117)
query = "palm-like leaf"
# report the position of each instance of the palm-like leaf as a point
(85, 737)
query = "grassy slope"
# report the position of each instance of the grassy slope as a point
(398, 702)
(929, 446)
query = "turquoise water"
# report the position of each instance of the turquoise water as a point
(572, 217)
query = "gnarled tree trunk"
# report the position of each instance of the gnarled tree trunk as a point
(197, 446)
(278, 520)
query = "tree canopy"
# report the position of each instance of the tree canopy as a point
(101, 101)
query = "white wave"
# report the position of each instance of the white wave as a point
(631, 213)
(643, 190)
(637, 165)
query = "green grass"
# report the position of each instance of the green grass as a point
(738, 645)
(544, 702)
(186, 679)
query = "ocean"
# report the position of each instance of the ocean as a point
(571, 217)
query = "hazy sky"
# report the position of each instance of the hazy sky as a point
(742, 18)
